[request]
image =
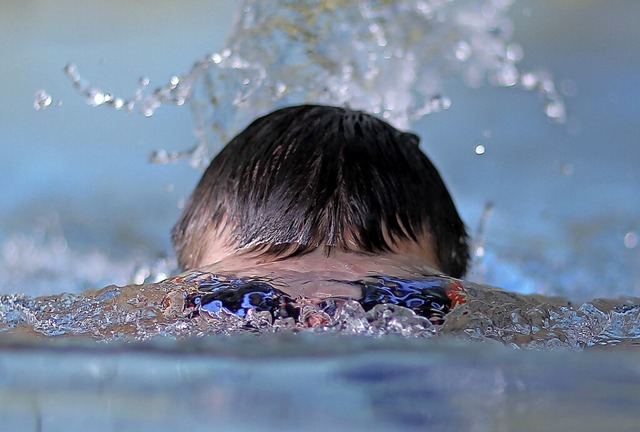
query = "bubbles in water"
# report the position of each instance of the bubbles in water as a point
(480, 149)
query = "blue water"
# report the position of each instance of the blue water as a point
(558, 224)
(281, 382)
(82, 208)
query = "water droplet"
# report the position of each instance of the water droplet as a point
(480, 149)
(479, 252)
(488, 10)
(333, 66)
(95, 98)
(72, 72)
(566, 169)
(631, 240)
(507, 76)
(42, 100)
(425, 9)
(463, 50)
(439, 103)
(141, 275)
(378, 33)
(514, 52)
(529, 81)
(555, 110)
(280, 87)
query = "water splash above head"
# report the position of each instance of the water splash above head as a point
(392, 59)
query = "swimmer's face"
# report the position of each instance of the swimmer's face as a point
(217, 252)
(321, 180)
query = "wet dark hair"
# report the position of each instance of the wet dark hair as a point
(309, 177)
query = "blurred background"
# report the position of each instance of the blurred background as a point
(81, 206)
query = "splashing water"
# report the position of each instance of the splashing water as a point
(292, 377)
(392, 59)
(43, 261)
(165, 309)
(42, 100)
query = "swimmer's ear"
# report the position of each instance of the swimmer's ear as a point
(410, 138)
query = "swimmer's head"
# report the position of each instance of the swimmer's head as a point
(321, 179)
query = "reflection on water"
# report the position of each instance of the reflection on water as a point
(312, 382)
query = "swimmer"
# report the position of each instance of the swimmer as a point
(318, 199)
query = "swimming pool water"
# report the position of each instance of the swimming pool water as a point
(82, 209)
